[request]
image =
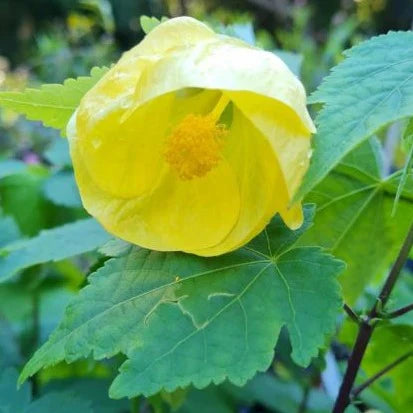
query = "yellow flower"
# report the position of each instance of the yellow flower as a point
(192, 142)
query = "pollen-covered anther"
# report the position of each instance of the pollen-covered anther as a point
(194, 146)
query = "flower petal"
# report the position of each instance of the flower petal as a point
(290, 141)
(227, 64)
(174, 33)
(173, 214)
(261, 184)
(124, 149)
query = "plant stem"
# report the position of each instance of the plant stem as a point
(303, 405)
(367, 326)
(400, 311)
(381, 373)
(363, 338)
(394, 273)
(35, 336)
(351, 313)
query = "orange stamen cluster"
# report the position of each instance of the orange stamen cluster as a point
(194, 146)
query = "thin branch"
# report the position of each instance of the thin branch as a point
(394, 273)
(353, 365)
(367, 326)
(381, 373)
(304, 401)
(400, 311)
(351, 313)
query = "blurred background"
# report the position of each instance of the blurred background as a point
(50, 40)
(47, 41)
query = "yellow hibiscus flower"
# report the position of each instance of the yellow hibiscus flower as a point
(191, 142)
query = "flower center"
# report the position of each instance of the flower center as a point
(194, 146)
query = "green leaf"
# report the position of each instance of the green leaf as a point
(401, 296)
(19, 401)
(11, 399)
(408, 141)
(9, 231)
(115, 248)
(11, 167)
(52, 104)
(22, 198)
(9, 348)
(185, 319)
(388, 343)
(61, 189)
(371, 88)
(92, 389)
(53, 245)
(58, 153)
(354, 218)
(149, 23)
(211, 399)
(270, 392)
(366, 160)
(60, 402)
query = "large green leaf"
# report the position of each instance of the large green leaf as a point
(52, 245)
(371, 88)
(185, 319)
(354, 218)
(52, 104)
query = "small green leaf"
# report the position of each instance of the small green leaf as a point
(185, 319)
(52, 245)
(371, 88)
(354, 222)
(149, 23)
(52, 104)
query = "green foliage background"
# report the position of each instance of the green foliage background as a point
(91, 320)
